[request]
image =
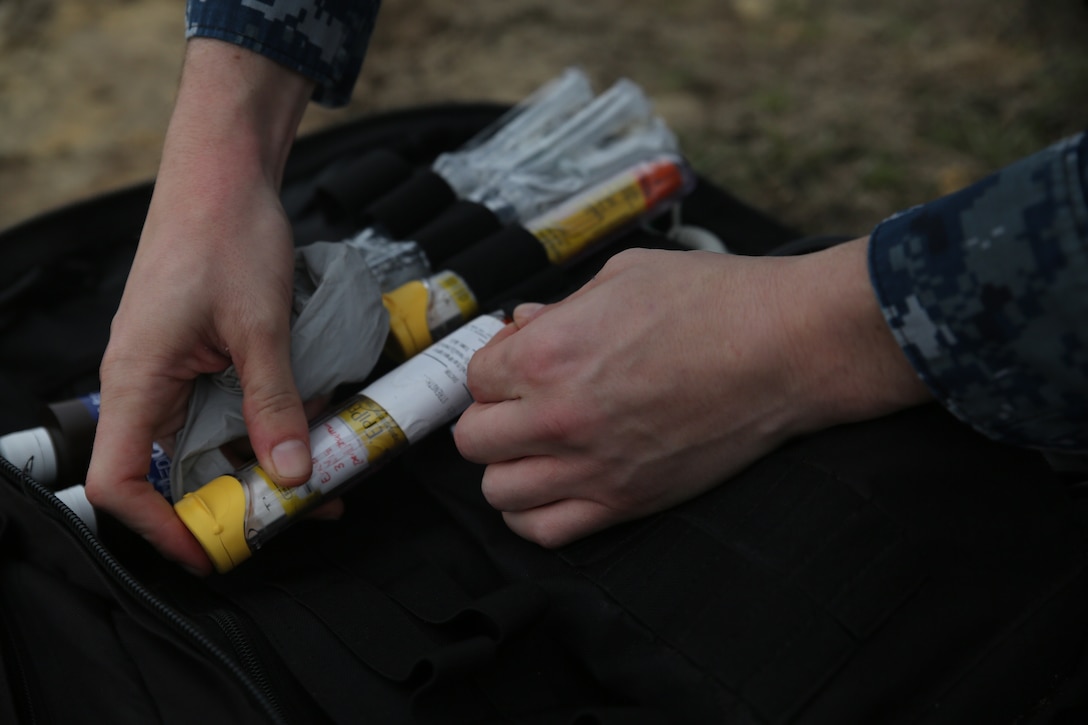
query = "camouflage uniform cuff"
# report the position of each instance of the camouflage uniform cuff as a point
(324, 41)
(986, 291)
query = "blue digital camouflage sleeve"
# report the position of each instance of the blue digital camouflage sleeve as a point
(325, 40)
(986, 291)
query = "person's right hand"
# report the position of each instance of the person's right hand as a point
(211, 285)
(668, 373)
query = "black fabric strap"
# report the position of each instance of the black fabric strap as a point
(499, 262)
(346, 188)
(456, 228)
(401, 211)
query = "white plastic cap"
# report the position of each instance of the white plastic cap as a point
(33, 452)
(75, 498)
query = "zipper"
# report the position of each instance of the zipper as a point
(248, 674)
(241, 643)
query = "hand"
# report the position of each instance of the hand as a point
(211, 285)
(667, 373)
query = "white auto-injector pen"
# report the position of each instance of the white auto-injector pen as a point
(234, 515)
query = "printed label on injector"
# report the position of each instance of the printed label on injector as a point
(450, 303)
(588, 217)
(345, 444)
(409, 402)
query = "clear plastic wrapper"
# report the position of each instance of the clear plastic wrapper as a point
(537, 116)
(527, 192)
(612, 114)
(540, 158)
(425, 309)
(392, 262)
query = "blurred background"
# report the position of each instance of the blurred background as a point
(829, 114)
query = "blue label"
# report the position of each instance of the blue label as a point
(93, 403)
(159, 475)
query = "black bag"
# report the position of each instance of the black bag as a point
(900, 570)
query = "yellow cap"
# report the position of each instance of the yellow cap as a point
(216, 515)
(408, 329)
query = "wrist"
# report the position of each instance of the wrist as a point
(236, 110)
(846, 362)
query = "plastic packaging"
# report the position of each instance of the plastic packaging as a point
(584, 148)
(338, 328)
(427, 192)
(232, 516)
(390, 261)
(536, 116)
(561, 142)
(527, 191)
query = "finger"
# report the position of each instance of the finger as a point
(492, 432)
(240, 451)
(273, 410)
(491, 375)
(116, 477)
(562, 522)
(330, 510)
(123, 438)
(314, 407)
(116, 484)
(531, 482)
(141, 508)
(494, 372)
(506, 331)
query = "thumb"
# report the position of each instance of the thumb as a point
(273, 411)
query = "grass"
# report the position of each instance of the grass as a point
(830, 114)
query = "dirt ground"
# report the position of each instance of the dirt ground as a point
(830, 113)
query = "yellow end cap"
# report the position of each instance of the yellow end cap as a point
(408, 329)
(216, 515)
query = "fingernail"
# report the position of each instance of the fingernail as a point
(291, 459)
(524, 312)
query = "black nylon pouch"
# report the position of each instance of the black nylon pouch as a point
(904, 570)
(75, 649)
(823, 585)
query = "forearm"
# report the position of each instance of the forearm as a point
(210, 285)
(236, 116)
(212, 281)
(846, 364)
